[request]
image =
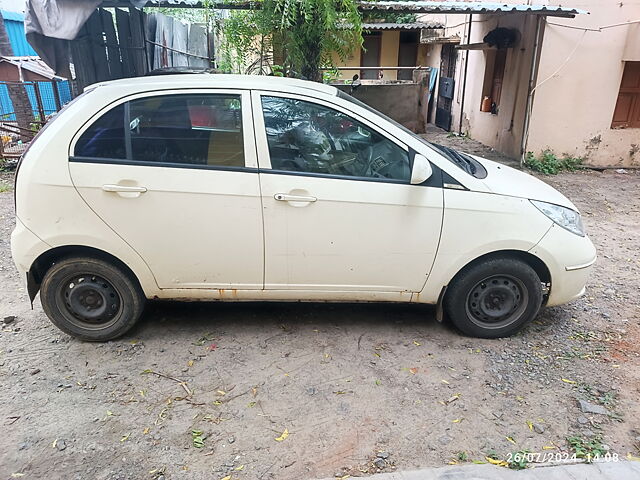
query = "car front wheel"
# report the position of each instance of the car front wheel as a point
(91, 299)
(494, 297)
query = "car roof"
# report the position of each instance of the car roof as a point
(204, 80)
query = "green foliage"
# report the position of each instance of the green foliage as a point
(519, 460)
(192, 15)
(299, 35)
(549, 164)
(587, 449)
(462, 456)
(391, 17)
(4, 187)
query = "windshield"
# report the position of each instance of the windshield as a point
(461, 160)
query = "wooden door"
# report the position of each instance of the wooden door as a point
(407, 54)
(370, 56)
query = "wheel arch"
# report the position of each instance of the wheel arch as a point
(46, 260)
(533, 261)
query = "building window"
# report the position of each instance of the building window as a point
(493, 79)
(627, 112)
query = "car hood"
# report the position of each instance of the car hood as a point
(505, 180)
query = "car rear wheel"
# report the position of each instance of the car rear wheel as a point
(494, 298)
(91, 299)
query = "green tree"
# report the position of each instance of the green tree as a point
(298, 36)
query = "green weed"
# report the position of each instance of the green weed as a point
(549, 164)
(587, 449)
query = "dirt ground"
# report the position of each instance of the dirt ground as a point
(301, 391)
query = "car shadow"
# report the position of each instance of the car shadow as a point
(177, 319)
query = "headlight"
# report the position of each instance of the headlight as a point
(565, 217)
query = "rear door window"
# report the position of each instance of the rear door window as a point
(192, 129)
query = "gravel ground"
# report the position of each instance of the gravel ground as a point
(293, 391)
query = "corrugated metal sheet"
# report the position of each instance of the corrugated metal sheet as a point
(33, 64)
(46, 94)
(402, 26)
(416, 7)
(14, 24)
(472, 7)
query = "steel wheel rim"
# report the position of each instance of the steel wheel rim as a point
(90, 300)
(496, 301)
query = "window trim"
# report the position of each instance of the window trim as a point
(248, 134)
(262, 145)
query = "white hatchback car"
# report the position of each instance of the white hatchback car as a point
(223, 187)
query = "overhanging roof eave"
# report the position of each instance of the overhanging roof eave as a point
(464, 8)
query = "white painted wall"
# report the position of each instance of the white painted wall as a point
(578, 82)
(13, 5)
(581, 72)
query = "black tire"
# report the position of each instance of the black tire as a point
(91, 299)
(493, 298)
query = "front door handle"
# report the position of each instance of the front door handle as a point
(123, 188)
(283, 197)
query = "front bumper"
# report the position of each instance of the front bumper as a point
(570, 259)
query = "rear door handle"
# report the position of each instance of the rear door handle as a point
(123, 188)
(283, 197)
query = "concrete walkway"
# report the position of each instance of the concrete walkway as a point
(621, 470)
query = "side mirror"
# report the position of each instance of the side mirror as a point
(355, 83)
(421, 170)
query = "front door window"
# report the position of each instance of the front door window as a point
(311, 138)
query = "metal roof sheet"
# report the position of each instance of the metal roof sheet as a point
(402, 26)
(471, 7)
(415, 7)
(33, 64)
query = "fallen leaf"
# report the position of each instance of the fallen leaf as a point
(511, 440)
(457, 420)
(444, 381)
(212, 347)
(566, 380)
(417, 344)
(254, 391)
(251, 404)
(228, 477)
(530, 424)
(146, 431)
(125, 437)
(221, 392)
(17, 475)
(378, 382)
(453, 398)
(413, 370)
(633, 458)
(282, 437)
(548, 447)
(190, 363)
(217, 402)
(237, 469)
(493, 461)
